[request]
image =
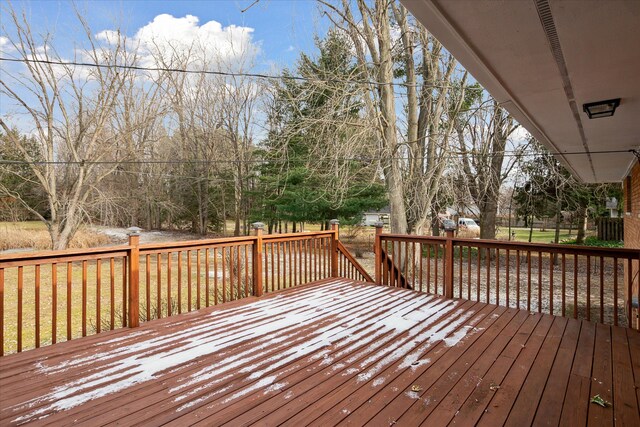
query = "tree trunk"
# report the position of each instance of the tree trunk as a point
(488, 219)
(582, 225)
(556, 238)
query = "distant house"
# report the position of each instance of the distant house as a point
(370, 218)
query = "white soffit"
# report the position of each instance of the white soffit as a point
(542, 60)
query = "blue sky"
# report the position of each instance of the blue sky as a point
(282, 28)
(277, 29)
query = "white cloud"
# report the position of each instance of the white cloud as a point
(209, 45)
(291, 48)
(5, 45)
(520, 135)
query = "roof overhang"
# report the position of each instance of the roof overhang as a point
(542, 60)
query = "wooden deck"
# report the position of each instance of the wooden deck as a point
(333, 352)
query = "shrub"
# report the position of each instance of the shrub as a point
(594, 241)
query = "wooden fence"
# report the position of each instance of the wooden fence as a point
(597, 284)
(611, 229)
(53, 296)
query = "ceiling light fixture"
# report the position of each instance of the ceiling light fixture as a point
(601, 108)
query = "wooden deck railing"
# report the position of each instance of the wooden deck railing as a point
(597, 284)
(47, 297)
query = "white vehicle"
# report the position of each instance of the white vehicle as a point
(468, 224)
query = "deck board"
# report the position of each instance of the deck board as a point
(369, 397)
(601, 377)
(524, 409)
(576, 406)
(550, 406)
(328, 353)
(411, 407)
(474, 406)
(626, 408)
(504, 397)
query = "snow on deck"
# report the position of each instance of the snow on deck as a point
(347, 341)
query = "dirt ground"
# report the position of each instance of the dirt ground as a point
(471, 282)
(119, 235)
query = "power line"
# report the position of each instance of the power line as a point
(271, 161)
(213, 72)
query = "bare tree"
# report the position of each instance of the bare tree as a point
(71, 110)
(433, 94)
(130, 195)
(371, 37)
(483, 135)
(238, 109)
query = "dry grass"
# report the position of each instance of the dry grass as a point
(211, 286)
(33, 235)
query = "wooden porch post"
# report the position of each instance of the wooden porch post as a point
(335, 227)
(258, 228)
(377, 250)
(133, 312)
(448, 270)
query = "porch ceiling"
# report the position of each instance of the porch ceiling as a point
(510, 48)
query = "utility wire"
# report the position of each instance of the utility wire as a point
(267, 161)
(212, 72)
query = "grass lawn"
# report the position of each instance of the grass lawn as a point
(547, 236)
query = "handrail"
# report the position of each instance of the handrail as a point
(301, 235)
(487, 243)
(51, 296)
(194, 243)
(580, 281)
(344, 251)
(396, 273)
(11, 260)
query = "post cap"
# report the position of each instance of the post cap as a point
(133, 231)
(334, 221)
(379, 224)
(258, 225)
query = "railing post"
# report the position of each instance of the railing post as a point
(133, 313)
(335, 227)
(377, 250)
(258, 228)
(448, 269)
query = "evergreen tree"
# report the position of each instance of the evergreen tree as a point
(316, 162)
